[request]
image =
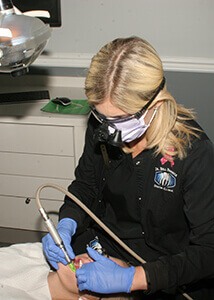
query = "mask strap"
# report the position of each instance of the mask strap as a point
(153, 115)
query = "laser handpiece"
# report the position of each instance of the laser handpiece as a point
(56, 237)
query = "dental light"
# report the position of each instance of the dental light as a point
(22, 38)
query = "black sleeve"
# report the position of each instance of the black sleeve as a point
(84, 187)
(196, 262)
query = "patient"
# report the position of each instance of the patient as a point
(25, 274)
(62, 284)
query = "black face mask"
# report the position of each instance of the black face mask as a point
(102, 135)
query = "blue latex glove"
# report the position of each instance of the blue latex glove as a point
(104, 276)
(66, 229)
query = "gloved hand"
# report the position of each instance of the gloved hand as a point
(104, 276)
(66, 229)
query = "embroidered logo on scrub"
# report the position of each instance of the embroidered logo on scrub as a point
(165, 179)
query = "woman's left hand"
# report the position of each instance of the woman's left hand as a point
(104, 276)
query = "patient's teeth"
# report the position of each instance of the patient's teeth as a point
(80, 263)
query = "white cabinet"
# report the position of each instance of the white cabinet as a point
(35, 148)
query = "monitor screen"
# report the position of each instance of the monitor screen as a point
(53, 6)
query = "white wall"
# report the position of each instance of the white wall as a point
(180, 30)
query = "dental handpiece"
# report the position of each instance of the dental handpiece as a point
(56, 237)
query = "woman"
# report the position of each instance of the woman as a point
(147, 172)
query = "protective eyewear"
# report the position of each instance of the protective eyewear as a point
(101, 118)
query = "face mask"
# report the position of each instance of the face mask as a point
(120, 131)
(133, 128)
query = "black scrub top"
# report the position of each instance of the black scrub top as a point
(123, 198)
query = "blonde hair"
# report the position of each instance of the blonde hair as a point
(128, 71)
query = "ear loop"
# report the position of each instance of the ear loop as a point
(153, 115)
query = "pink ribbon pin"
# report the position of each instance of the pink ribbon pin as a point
(167, 158)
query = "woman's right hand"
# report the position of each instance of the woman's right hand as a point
(66, 229)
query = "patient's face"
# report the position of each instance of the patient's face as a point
(81, 259)
(67, 278)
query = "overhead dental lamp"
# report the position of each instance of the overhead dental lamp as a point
(22, 38)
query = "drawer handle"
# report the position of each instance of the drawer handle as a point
(27, 201)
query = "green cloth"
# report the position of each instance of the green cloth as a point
(76, 107)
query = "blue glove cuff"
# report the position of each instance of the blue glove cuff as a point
(68, 224)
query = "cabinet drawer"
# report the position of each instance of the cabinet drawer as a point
(14, 213)
(37, 165)
(20, 186)
(37, 139)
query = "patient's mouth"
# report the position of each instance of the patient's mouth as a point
(78, 263)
